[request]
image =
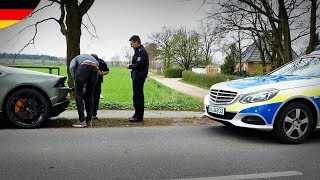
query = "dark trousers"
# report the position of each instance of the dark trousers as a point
(85, 75)
(96, 98)
(138, 98)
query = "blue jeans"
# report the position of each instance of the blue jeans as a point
(85, 75)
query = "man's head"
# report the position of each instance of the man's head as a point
(95, 56)
(135, 41)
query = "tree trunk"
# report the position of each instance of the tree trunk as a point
(284, 23)
(73, 35)
(313, 28)
(73, 49)
(240, 52)
(261, 47)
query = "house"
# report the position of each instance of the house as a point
(210, 69)
(251, 61)
(213, 69)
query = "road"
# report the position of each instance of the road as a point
(176, 152)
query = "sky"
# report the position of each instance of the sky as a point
(115, 21)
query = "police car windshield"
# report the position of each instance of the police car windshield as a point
(305, 66)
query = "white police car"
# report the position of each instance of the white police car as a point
(287, 101)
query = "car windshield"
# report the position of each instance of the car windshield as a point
(305, 66)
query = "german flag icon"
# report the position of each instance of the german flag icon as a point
(13, 11)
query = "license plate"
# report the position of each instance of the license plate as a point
(216, 110)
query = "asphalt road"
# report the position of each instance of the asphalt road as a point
(206, 152)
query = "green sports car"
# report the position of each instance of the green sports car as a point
(28, 98)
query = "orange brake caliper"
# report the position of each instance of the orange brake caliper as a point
(18, 107)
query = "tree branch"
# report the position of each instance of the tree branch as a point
(204, 1)
(56, 1)
(94, 28)
(32, 40)
(63, 28)
(85, 6)
(40, 9)
(267, 13)
(86, 27)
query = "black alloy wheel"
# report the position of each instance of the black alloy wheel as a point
(27, 108)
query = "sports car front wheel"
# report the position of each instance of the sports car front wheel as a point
(294, 123)
(27, 108)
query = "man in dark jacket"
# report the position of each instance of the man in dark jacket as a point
(139, 66)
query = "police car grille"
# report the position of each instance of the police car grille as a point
(222, 96)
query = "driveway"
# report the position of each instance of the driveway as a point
(177, 85)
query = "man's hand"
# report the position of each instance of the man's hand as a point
(127, 66)
(102, 73)
(84, 90)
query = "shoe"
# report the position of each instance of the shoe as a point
(134, 119)
(89, 123)
(95, 117)
(80, 124)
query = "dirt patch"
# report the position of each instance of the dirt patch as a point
(65, 123)
(120, 122)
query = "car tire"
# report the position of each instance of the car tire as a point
(27, 108)
(294, 123)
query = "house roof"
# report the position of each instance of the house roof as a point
(252, 54)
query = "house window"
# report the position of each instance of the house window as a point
(244, 67)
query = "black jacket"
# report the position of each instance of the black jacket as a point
(102, 67)
(140, 64)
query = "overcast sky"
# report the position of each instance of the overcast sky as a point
(115, 21)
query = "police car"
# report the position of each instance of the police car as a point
(286, 101)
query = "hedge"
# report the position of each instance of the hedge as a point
(205, 80)
(173, 73)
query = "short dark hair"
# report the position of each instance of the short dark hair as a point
(135, 38)
(95, 56)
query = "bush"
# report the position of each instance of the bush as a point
(241, 73)
(173, 73)
(205, 80)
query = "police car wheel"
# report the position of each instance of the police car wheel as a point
(27, 108)
(294, 123)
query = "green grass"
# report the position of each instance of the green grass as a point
(117, 93)
(195, 84)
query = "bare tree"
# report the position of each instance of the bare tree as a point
(276, 23)
(128, 53)
(208, 37)
(115, 61)
(153, 52)
(163, 40)
(70, 22)
(187, 48)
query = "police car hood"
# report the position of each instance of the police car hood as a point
(280, 82)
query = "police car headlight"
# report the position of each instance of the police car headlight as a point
(259, 96)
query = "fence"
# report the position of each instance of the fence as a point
(50, 68)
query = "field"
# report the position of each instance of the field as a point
(117, 93)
